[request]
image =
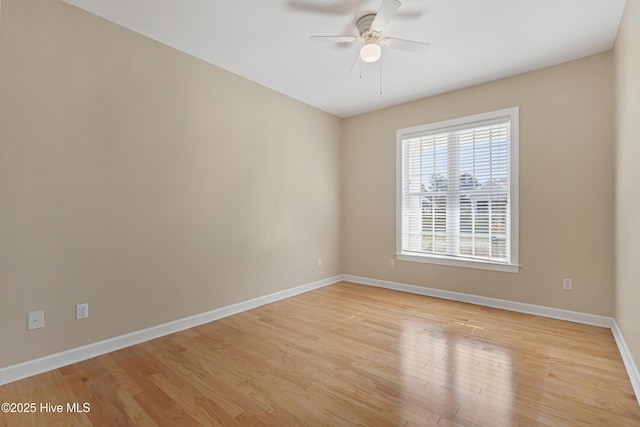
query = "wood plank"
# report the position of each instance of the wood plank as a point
(349, 354)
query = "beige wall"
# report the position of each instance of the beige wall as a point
(147, 183)
(627, 61)
(566, 161)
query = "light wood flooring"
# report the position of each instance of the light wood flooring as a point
(348, 355)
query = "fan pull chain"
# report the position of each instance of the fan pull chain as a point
(380, 60)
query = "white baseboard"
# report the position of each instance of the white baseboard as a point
(57, 360)
(632, 369)
(555, 313)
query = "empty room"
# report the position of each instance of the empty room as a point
(319, 213)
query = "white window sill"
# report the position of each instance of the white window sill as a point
(455, 262)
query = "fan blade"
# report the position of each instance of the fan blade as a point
(338, 8)
(334, 39)
(384, 15)
(406, 45)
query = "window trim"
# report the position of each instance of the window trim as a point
(513, 266)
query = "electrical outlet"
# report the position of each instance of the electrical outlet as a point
(567, 284)
(319, 262)
(35, 320)
(392, 263)
(82, 311)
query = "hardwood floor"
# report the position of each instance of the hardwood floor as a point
(348, 354)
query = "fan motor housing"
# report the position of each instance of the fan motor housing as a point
(364, 26)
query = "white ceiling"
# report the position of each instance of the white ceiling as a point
(472, 41)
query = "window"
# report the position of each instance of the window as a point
(457, 195)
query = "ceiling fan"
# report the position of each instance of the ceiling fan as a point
(370, 29)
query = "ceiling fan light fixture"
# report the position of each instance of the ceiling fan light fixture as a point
(371, 51)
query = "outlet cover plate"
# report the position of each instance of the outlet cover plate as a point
(82, 311)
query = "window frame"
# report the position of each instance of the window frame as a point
(513, 114)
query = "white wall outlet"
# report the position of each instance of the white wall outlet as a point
(319, 262)
(392, 263)
(567, 284)
(35, 320)
(82, 311)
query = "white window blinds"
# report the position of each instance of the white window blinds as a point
(456, 191)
